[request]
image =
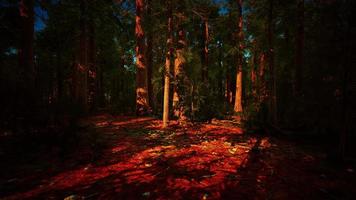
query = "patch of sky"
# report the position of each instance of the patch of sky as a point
(41, 17)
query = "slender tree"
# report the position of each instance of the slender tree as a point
(253, 76)
(300, 47)
(271, 67)
(168, 64)
(205, 50)
(93, 68)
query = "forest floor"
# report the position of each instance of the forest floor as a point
(133, 158)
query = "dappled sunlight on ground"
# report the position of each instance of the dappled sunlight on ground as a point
(199, 161)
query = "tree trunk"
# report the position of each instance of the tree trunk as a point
(272, 70)
(300, 48)
(253, 72)
(205, 51)
(168, 65)
(221, 75)
(229, 88)
(142, 98)
(59, 77)
(238, 97)
(93, 71)
(26, 56)
(80, 76)
(149, 56)
(179, 74)
(262, 88)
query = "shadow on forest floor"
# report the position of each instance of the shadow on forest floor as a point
(136, 159)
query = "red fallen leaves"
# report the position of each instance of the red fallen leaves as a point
(218, 157)
(198, 161)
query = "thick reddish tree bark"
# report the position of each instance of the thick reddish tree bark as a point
(238, 95)
(142, 97)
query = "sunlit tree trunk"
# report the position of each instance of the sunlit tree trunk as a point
(205, 51)
(272, 70)
(179, 74)
(142, 98)
(25, 53)
(300, 47)
(168, 65)
(238, 97)
(178, 67)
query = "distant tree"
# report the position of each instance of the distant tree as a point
(299, 46)
(26, 54)
(142, 96)
(271, 65)
(81, 68)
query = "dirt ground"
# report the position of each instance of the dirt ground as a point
(133, 158)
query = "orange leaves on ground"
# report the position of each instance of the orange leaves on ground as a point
(198, 157)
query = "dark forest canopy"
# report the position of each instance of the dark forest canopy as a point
(278, 64)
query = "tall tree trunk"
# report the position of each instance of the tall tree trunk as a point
(179, 74)
(168, 64)
(221, 75)
(149, 55)
(142, 98)
(59, 77)
(300, 47)
(261, 82)
(238, 97)
(228, 88)
(81, 67)
(253, 72)
(93, 71)
(26, 57)
(272, 70)
(205, 51)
